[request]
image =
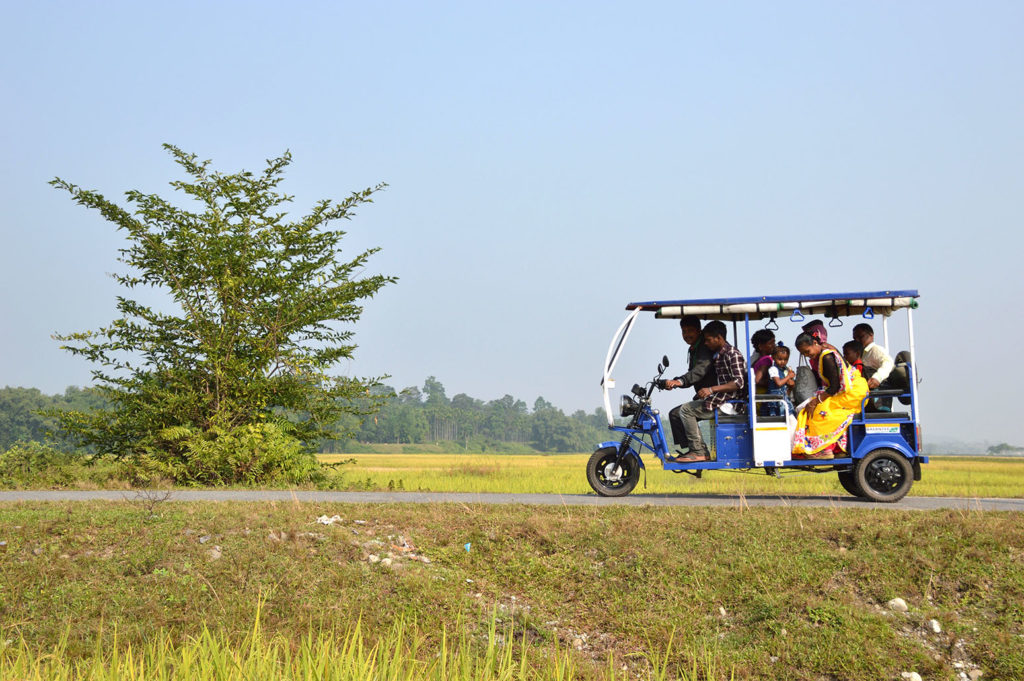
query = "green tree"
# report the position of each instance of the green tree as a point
(20, 417)
(506, 420)
(553, 431)
(401, 420)
(434, 391)
(262, 310)
(439, 413)
(26, 414)
(1004, 448)
(464, 402)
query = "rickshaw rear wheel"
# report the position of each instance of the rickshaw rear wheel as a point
(849, 482)
(884, 475)
(609, 477)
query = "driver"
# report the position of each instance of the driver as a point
(729, 383)
(700, 371)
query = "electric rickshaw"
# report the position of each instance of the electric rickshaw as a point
(883, 454)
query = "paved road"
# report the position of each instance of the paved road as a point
(908, 503)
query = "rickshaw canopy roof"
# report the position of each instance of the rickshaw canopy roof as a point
(867, 303)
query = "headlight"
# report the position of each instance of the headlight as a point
(627, 407)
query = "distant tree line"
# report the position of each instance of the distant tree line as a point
(21, 417)
(428, 415)
(414, 415)
(1005, 449)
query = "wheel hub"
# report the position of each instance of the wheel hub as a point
(612, 472)
(885, 475)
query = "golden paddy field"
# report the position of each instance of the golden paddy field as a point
(566, 474)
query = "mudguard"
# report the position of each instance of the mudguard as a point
(616, 444)
(870, 444)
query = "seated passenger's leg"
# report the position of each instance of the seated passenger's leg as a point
(678, 432)
(690, 413)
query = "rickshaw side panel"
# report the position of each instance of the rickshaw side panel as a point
(872, 442)
(897, 433)
(734, 445)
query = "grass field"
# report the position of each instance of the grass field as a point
(591, 593)
(566, 474)
(260, 591)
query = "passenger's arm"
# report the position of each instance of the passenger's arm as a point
(702, 364)
(738, 371)
(731, 386)
(885, 366)
(779, 381)
(830, 367)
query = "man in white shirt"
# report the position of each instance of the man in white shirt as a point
(877, 364)
(875, 356)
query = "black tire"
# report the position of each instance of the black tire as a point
(608, 478)
(884, 475)
(849, 482)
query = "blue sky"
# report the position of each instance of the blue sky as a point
(548, 163)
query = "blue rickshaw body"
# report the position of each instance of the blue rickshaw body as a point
(734, 443)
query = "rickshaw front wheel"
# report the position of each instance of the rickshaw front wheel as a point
(884, 475)
(609, 476)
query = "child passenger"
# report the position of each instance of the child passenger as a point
(853, 353)
(780, 378)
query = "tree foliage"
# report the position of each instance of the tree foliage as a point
(262, 308)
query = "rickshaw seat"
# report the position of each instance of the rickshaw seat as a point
(886, 416)
(889, 392)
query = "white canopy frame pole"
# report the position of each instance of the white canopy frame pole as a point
(750, 371)
(610, 359)
(885, 333)
(913, 375)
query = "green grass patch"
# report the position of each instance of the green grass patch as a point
(321, 655)
(664, 592)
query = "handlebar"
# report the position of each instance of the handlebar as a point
(657, 382)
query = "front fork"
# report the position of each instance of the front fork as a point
(623, 449)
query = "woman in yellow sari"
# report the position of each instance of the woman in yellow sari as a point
(822, 425)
